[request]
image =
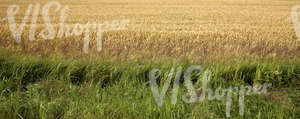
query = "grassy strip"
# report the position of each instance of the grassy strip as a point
(50, 88)
(24, 70)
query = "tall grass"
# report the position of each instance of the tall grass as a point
(32, 87)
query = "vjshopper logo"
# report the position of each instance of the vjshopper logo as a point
(191, 95)
(64, 30)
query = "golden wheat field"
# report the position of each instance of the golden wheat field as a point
(197, 29)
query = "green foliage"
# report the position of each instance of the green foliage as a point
(50, 88)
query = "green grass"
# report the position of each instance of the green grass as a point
(33, 88)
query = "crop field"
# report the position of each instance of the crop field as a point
(49, 71)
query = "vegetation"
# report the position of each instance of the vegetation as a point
(200, 30)
(48, 88)
(242, 42)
